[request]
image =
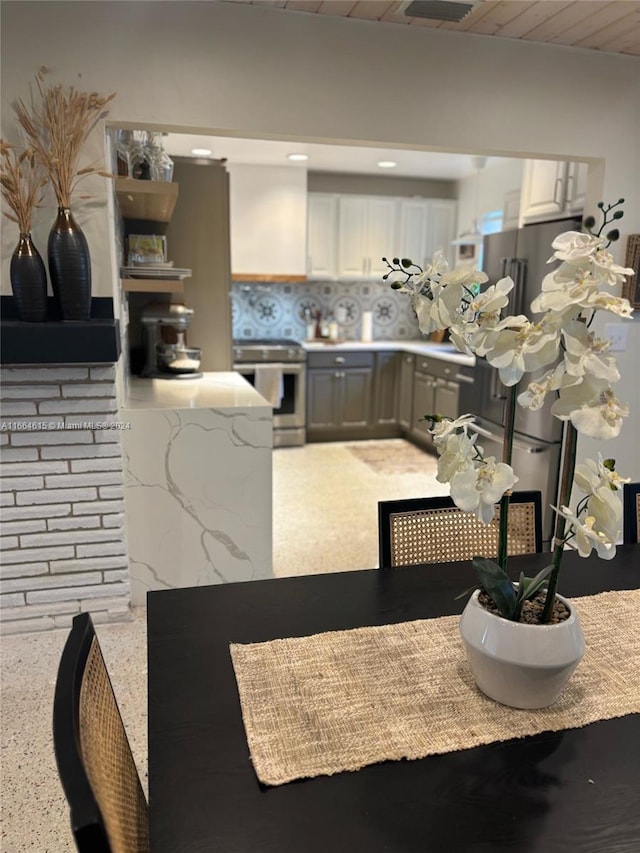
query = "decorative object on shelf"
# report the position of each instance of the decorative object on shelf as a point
(580, 371)
(22, 181)
(57, 122)
(141, 155)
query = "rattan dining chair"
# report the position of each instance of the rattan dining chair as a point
(109, 812)
(631, 513)
(434, 530)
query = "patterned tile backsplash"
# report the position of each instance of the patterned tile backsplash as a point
(277, 310)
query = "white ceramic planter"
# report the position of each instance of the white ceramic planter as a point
(523, 666)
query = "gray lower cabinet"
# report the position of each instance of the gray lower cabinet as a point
(339, 395)
(405, 391)
(385, 393)
(423, 404)
(436, 391)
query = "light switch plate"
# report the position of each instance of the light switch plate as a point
(617, 334)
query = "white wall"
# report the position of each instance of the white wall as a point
(253, 71)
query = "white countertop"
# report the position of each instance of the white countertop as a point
(212, 391)
(441, 352)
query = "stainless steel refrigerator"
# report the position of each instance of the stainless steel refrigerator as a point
(521, 254)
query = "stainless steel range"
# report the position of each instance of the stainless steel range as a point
(286, 362)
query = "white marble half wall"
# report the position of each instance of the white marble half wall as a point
(198, 482)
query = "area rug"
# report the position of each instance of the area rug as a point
(393, 456)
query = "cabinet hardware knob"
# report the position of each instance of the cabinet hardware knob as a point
(339, 359)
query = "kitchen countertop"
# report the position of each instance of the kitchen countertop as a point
(441, 352)
(219, 390)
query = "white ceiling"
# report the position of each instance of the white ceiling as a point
(328, 158)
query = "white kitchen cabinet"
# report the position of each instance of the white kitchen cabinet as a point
(268, 212)
(552, 189)
(322, 236)
(366, 232)
(425, 226)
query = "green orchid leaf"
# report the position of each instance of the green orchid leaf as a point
(496, 582)
(537, 582)
(466, 592)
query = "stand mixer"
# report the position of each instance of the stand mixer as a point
(169, 360)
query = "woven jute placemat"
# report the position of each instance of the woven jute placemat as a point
(319, 705)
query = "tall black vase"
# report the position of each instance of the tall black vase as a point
(28, 281)
(70, 267)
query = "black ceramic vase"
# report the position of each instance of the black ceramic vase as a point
(70, 267)
(28, 281)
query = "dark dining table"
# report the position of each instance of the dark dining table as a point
(573, 790)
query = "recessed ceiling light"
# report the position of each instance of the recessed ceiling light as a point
(298, 156)
(201, 152)
(387, 164)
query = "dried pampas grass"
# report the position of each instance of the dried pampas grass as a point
(58, 122)
(21, 184)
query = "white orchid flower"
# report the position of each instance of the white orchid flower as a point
(565, 297)
(534, 395)
(523, 350)
(592, 408)
(587, 354)
(590, 476)
(457, 454)
(437, 266)
(576, 247)
(464, 274)
(602, 301)
(587, 536)
(606, 272)
(477, 489)
(441, 430)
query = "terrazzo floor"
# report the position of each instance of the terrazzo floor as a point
(325, 519)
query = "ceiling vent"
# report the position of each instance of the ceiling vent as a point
(438, 10)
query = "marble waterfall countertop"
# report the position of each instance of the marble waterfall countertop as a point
(222, 390)
(441, 352)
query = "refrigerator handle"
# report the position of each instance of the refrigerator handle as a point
(503, 267)
(518, 272)
(497, 389)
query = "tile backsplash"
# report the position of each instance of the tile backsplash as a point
(276, 310)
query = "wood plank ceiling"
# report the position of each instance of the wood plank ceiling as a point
(612, 26)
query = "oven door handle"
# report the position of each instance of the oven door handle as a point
(287, 367)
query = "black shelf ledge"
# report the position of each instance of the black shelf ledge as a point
(95, 341)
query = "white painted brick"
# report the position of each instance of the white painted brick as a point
(34, 610)
(88, 564)
(42, 374)
(19, 513)
(14, 599)
(103, 374)
(7, 542)
(56, 495)
(98, 506)
(32, 468)
(22, 626)
(29, 392)
(104, 549)
(23, 570)
(64, 481)
(83, 451)
(76, 522)
(66, 537)
(52, 582)
(21, 439)
(7, 499)
(4, 438)
(21, 484)
(70, 407)
(28, 555)
(18, 454)
(111, 463)
(88, 592)
(100, 389)
(106, 436)
(63, 621)
(110, 492)
(115, 575)
(15, 527)
(113, 520)
(13, 409)
(113, 605)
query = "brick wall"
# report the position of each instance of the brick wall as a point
(62, 542)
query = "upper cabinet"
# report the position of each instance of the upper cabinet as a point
(268, 214)
(552, 189)
(349, 234)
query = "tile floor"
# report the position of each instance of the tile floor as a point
(325, 519)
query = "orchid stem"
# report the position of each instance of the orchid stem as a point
(507, 453)
(568, 469)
